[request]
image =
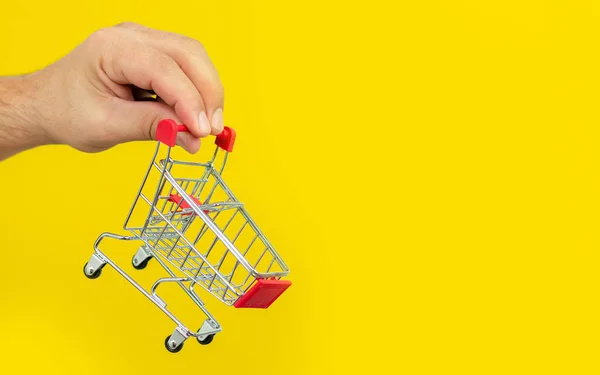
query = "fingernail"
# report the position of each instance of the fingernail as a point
(217, 120)
(204, 124)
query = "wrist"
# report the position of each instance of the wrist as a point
(20, 128)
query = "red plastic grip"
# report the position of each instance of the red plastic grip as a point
(166, 132)
(226, 139)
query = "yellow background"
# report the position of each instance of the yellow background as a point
(428, 170)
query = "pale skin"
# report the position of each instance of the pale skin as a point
(92, 99)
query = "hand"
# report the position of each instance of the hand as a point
(88, 98)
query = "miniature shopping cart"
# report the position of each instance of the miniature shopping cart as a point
(186, 218)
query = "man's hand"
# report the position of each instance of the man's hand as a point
(88, 98)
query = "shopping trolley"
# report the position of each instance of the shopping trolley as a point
(188, 220)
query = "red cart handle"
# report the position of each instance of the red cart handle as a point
(167, 130)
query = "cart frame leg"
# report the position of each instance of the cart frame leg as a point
(209, 327)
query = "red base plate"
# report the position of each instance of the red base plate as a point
(262, 294)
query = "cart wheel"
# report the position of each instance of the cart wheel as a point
(207, 340)
(142, 265)
(169, 348)
(94, 275)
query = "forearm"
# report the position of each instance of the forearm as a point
(19, 129)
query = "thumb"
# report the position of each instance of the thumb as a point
(139, 121)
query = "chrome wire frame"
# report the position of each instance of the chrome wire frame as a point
(166, 229)
(190, 236)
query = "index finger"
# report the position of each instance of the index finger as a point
(194, 61)
(150, 69)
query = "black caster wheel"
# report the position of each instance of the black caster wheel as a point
(169, 348)
(94, 275)
(142, 265)
(207, 340)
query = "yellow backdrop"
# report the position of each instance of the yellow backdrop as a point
(428, 170)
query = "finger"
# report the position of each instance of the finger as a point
(193, 59)
(190, 143)
(150, 69)
(138, 121)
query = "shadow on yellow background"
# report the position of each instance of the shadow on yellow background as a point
(428, 171)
